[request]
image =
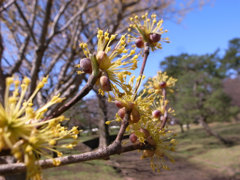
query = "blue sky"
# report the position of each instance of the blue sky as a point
(201, 31)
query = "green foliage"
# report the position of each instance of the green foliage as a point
(199, 92)
(231, 60)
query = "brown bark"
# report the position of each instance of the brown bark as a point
(7, 159)
(2, 88)
(210, 132)
(181, 127)
(41, 48)
(203, 122)
(2, 77)
(103, 128)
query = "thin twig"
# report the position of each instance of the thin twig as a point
(41, 48)
(7, 5)
(165, 115)
(83, 92)
(21, 55)
(30, 29)
(146, 53)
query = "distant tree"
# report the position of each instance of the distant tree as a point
(200, 96)
(231, 59)
(232, 88)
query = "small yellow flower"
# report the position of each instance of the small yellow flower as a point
(56, 162)
(160, 81)
(22, 129)
(147, 30)
(139, 105)
(115, 62)
(147, 129)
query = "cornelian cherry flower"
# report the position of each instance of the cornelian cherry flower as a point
(146, 30)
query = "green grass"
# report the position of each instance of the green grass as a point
(207, 152)
(93, 170)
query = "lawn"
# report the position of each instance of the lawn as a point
(198, 148)
(93, 170)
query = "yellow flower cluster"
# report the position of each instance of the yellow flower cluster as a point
(149, 30)
(148, 108)
(160, 81)
(22, 129)
(144, 126)
(115, 63)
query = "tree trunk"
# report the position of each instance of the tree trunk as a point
(210, 132)
(103, 134)
(181, 127)
(102, 126)
(188, 126)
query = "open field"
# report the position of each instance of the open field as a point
(198, 157)
(198, 148)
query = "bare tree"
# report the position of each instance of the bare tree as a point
(41, 38)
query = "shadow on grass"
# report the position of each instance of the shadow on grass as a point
(196, 141)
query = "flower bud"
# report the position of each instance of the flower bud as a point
(101, 56)
(134, 116)
(151, 141)
(162, 84)
(130, 105)
(133, 138)
(121, 112)
(162, 118)
(119, 104)
(86, 65)
(144, 132)
(105, 83)
(148, 153)
(156, 114)
(139, 42)
(154, 37)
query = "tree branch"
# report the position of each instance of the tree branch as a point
(83, 92)
(21, 55)
(146, 53)
(2, 76)
(1, 51)
(56, 19)
(102, 153)
(80, 11)
(56, 58)
(165, 115)
(4, 7)
(99, 154)
(26, 22)
(41, 48)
